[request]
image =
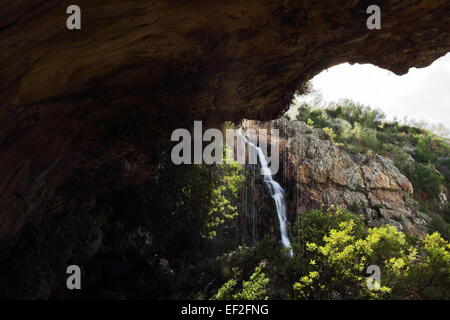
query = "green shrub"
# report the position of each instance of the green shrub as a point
(438, 224)
(338, 264)
(427, 179)
(313, 225)
(330, 133)
(254, 289)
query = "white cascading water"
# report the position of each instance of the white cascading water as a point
(276, 192)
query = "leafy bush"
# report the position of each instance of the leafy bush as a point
(355, 112)
(430, 148)
(444, 168)
(330, 133)
(338, 264)
(227, 179)
(438, 224)
(253, 289)
(427, 179)
(313, 225)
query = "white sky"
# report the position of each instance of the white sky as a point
(420, 94)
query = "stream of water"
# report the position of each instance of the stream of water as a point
(276, 192)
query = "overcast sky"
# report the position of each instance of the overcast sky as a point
(420, 94)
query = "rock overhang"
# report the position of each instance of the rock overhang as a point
(236, 59)
(76, 106)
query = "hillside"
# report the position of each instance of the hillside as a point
(422, 156)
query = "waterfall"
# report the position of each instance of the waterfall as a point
(276, 192)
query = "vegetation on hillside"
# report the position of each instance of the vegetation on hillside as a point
(333, 247)
(420, 155)
(332, 252)
(179, 236)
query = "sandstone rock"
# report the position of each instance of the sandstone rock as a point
(316, 172)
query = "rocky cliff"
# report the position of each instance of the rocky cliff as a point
(315, 172)
(88, 111)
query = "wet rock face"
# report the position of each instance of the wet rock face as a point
(316, 172)
(82, 112)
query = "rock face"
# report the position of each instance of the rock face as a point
(87, 112)
(235, 57)
(316, 172)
